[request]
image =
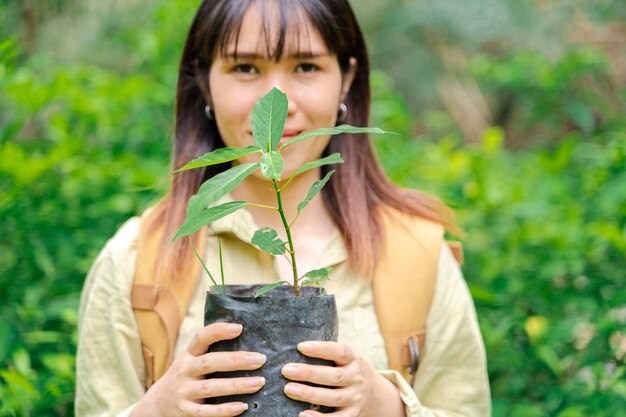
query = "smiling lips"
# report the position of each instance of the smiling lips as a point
(288, 134)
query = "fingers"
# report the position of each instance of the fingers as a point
(211, 334)
(322, 375)
(226, 362)
(331, 397)
(207, 410)
(339, 353)
(345, 412)
(218, 387)
(311, 413)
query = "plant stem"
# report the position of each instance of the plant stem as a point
(195, 252)
(294, 267)
(294, 219)
(262, 206)
(287, 257)
(219, 248)
(287, 183)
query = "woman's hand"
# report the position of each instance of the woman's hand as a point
(182, 389)
(357, 389)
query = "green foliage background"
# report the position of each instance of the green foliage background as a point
(85, 127)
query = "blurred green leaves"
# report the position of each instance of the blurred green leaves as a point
(542, 98)
(72, 144)
(545, 260)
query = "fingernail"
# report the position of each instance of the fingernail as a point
(234, 328)
(303, 414)
(238, 408)
(255, 382)
(306, 347)
(291, 371)
(292, 390)
(256, 359)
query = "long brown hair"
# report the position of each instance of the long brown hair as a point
(359, 185)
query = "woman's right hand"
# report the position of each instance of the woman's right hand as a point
(182, 389)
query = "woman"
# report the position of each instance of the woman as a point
(313, 50)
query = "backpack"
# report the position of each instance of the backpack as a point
(403, 288)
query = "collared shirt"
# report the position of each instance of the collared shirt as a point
(451, 381)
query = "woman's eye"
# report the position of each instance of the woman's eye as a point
(307, 67)
(245, 69)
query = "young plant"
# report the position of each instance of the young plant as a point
(268, 121)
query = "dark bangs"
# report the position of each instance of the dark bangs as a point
(224, 19)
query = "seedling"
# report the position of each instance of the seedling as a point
(268, 121)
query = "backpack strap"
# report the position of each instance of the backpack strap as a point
(159, 299)
(404, 284)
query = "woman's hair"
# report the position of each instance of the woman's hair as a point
(359, 185)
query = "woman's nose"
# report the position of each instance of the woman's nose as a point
(284, 85)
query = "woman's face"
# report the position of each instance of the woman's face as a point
(307, 72)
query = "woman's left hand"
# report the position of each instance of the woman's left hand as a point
(355, 389)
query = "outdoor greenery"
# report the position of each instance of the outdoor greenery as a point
(86, 98)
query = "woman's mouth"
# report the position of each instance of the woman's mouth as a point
(289, 134)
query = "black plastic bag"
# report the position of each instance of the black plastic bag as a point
(273, 324)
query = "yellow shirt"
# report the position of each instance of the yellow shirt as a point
(451, 380)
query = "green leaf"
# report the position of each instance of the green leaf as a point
(315, 188)
(318, 273)
(330, 159)
(267, 240)
(269, 287)
(493, 140)
(581, 115)
(12, 378)
(335, 131)
(218, 186)
(316, 276)
(219, 156)
(272, 164)
(195, 222)
(314, 281)
(268, 119)
(573, 411)
(550, 358)
(21, 361)
(61, 364)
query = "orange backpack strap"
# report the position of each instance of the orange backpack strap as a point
(457, 251)
(159, 299)
(404, 284)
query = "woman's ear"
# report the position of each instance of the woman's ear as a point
(348, 78)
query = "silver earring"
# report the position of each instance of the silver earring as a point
(342, 114)
(207, 112)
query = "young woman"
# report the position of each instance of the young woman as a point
(312, 50)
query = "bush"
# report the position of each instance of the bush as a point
(546, 238)
(73, 141)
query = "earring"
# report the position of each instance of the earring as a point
(207, 112)
(342, 114)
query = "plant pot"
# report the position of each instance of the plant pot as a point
(273, 324)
